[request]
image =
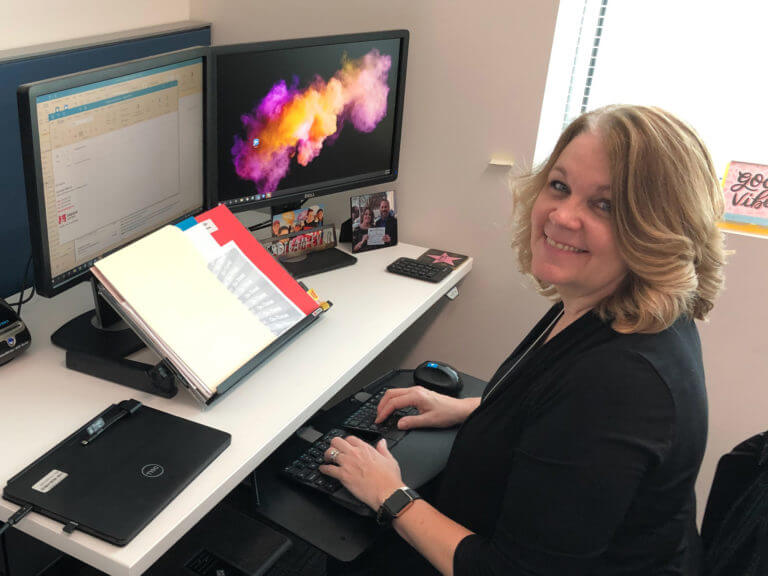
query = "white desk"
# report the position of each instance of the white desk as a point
(41, 402)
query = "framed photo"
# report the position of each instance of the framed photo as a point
(295, 244)
(294, 221)
(374, 221)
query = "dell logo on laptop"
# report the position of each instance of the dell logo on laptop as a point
(152, 471)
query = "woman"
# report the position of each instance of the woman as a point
(581, 456)
(360, 234)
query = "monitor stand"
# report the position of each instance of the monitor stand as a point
(100, 332)
(97, 343)
(317, 262)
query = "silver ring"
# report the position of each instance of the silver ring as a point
(333, 454)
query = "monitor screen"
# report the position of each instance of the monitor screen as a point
(301, 118)
(110, 155)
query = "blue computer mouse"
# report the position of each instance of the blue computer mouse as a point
(438, 376)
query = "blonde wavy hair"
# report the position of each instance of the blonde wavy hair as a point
(666, 201)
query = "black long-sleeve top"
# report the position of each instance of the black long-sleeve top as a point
(583, 460)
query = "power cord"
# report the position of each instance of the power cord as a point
(22, 288)
(16, 517)
(4, 553)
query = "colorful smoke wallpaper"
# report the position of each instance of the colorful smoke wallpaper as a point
(294, 125)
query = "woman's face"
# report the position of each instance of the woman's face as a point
(572, 241)
(367, 217)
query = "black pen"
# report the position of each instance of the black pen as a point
(97, 427)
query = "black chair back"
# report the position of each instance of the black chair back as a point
(735, 527)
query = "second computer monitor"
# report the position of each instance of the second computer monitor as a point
(301, 118)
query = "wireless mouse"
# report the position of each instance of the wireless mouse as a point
(439, 377)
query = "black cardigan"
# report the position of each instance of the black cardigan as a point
(583, 461)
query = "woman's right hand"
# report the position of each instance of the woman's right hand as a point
(435, 410)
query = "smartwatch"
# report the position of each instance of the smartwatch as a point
(400, 500)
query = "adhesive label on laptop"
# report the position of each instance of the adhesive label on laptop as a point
(49, 481)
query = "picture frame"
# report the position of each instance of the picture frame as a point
(374, 221)
(308, 218)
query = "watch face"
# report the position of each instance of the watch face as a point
(397, 502)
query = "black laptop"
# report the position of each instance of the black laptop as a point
(116, 473)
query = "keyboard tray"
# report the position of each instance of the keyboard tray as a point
(315, 518)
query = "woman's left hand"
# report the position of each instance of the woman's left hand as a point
(370, 474)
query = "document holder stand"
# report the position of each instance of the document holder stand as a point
(99, 351)
(154, 379)
(97, 332)
(182, 283)
(94, 349)
(317, 519)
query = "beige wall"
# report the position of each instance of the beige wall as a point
(42, 21)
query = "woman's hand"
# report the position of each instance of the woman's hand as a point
(435, 410)
(370, 474)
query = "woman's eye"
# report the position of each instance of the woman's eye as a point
(603, 205)
(559, 186)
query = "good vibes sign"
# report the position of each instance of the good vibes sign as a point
(745, 187)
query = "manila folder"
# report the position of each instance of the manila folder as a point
(167, 282)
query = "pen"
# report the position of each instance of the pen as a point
(100, 424)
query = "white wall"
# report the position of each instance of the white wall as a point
(735, 355)
(42, 21)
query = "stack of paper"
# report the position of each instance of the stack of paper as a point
(206, 296)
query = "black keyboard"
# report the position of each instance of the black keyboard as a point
(362, 420)
(419, 270)
(304, 470)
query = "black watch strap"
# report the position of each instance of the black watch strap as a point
(396, 504)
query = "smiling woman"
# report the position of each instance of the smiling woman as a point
(649, 180)
(572, 243)
(582, 454)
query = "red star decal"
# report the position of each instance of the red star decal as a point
(443, 258)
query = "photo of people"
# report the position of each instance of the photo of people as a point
(308, 218)
(374, 221)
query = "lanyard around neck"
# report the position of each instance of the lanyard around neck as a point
(533, 345)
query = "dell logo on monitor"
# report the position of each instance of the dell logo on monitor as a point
(152, 471)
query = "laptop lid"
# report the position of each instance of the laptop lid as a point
(115, 484)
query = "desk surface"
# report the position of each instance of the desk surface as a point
(43, 402)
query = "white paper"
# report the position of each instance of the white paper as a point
(376, 236)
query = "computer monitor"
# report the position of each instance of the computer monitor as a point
(301, 118)
(110, 155)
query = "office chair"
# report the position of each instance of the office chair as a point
(735, 527)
